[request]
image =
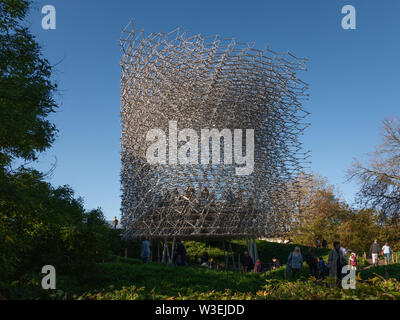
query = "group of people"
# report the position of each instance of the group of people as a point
(375, 250)
(317, 266)
(205, 260)
(337, 259)
(321, 243)
(247, 264)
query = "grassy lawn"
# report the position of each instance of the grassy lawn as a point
(130, 279)
(389, 271)
(123, 281)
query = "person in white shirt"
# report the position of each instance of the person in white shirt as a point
(387, 251)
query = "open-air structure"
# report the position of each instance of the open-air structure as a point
(204, 83)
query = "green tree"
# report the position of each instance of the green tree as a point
(26, 88)
(319, 211)
(359, 229)
(43, 225)
(39, 224)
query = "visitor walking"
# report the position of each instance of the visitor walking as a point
(336, 261)
(374, 251)
(295, 262)
(180, 254)
(146, 252)
(247, 262)
(311, 261)
(387, 252)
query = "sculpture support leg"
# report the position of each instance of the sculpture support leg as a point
(172, 251)
(255, 250)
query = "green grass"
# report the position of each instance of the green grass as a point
(388, 272)
(129, 279)
(121, 281)
(165, 280)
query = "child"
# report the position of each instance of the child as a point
(275, 264)
(353, 261)
(258, 266)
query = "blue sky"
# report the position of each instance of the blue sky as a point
(353, 76)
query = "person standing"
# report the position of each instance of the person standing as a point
(322, 268)
(312, 263)
(258, 266)
(295, 262)
(353, 261)
(387, 251)
(115, 222)
(247, 262)
(374, 251)
(146, 252)
(324, 243)
(180, 254)
(336, 261)
(275, 264)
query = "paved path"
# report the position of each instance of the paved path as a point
(381, 262)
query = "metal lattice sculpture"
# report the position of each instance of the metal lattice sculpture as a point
(208, 83)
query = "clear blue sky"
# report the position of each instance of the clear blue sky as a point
(353, 76)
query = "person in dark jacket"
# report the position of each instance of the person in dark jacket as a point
(275, 263)
(322, 268)
(247, 262)
(180, 254)
(311, 261)
(324, 243)
(374, 251)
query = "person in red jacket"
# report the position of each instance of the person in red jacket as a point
(353, 261)
(258, 266)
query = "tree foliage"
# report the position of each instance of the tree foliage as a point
(322, 215)
(26, 88)
(319, 211)
(39, 224)
(43, 225)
